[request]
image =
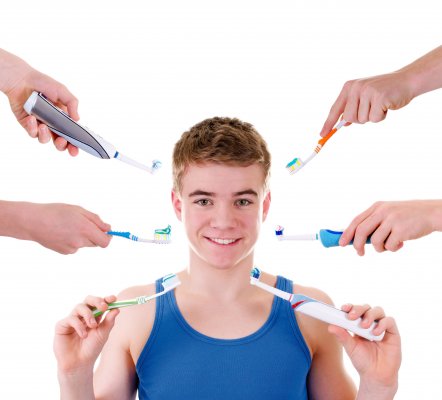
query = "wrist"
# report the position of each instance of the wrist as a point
(425, 74)
(373, 389)
(12, 71)
(436, 216)
(76, 384)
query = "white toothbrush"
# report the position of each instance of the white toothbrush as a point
(317, 309)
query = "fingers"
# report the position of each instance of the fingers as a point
(69, 100)
(370, 315)
(369, 224)
(72, 150)
(83, 311)
(334, 114)
(98, 235)
(81, 319)
(30, 124)
(377, 112)
(97, 221)
(367, 314)
(349, 233)
(363, 110)
(59, 94)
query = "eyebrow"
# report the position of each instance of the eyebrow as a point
(212, 194)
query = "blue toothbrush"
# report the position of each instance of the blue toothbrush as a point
(327, 237)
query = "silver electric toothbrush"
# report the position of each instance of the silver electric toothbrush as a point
(63, 125)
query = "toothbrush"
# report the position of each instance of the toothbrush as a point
(317, 309)
(169, 282)
(327, 237)
(80, 136)
(296, 164)
(161, 236)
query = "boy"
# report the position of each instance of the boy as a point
(216, 336)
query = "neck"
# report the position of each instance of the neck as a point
(221, 283)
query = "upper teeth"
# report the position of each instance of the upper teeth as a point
(223, 241)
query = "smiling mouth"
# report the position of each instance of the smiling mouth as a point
(223, 241)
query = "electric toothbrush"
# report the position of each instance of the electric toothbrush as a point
(63, 125)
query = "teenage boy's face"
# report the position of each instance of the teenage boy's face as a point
(222, 208)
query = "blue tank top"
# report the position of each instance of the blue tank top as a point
(177, 362)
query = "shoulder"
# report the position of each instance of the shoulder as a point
(134, 323)
(315, 293)
(315, 332)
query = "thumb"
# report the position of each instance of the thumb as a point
(107, 324)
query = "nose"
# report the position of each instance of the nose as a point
(224, 217)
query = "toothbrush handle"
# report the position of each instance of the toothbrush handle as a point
(331, 238)
(63, 125)
(116, 304)
(332, 315)
(323, 141)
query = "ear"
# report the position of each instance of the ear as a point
(266, 206)
(176, 203)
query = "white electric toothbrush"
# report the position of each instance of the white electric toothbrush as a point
(318, 310)
(63, 125)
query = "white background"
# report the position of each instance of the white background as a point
(143, 75)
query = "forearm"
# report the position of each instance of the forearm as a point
(425, 74)
(76, 386)
(13, 219)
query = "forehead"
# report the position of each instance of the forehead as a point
(221, 178)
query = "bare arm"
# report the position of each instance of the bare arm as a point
(327, 379)
(377, 363)
(369, 99)
(60, 227)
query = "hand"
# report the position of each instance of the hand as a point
(18, 80)
(392, 223)
(80, 337)
(60, 227)
(376, 362)
(369, 99)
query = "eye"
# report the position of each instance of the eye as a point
(243, 202)
(203, 202)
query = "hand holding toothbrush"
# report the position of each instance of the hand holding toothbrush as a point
(369, 99)
(17, 80)
(390, 224)
(63, 228)
(79, 339)
(376, 362)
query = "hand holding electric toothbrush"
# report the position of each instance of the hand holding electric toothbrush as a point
(321, 311)
(17, 80)
(377, 359)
